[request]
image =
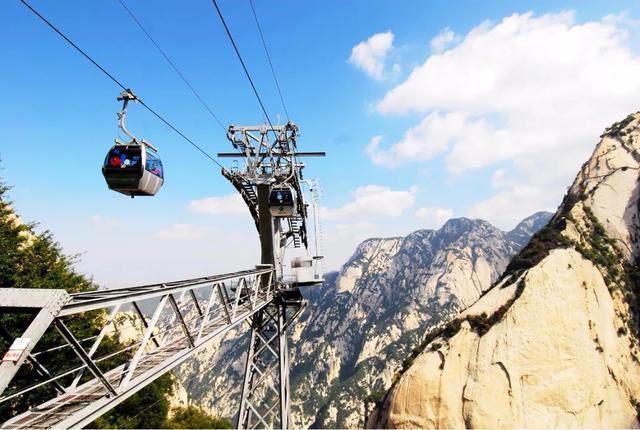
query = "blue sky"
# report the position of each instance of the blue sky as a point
(478, 109)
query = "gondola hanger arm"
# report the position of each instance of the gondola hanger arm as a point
(125, 96)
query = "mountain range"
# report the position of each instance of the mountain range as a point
(364, 320)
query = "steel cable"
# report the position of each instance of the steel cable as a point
(119, 83)
(266, 50)
(172, 64)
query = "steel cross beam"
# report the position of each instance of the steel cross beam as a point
(266, 397)
(269, 153)
(178, 328)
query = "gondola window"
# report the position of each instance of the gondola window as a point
(123, 158)
(154, 165)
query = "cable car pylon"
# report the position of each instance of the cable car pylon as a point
(270, 184)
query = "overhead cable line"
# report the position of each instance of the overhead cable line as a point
(123, 87)
(172, 64)
(266, 50)
(181, 134)
(246, 71)
(53, 27)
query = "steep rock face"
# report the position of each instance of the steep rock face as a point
(555, 344)
(212, 380)
(361, 323)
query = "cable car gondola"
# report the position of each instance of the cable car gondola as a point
(281, 202)
(132, 168)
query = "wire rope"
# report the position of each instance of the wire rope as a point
(266, 50)
(119, 83)
(172, 64)
(244, 66)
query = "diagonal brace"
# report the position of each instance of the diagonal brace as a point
(91, 365)
(176, 309)
(136, 307)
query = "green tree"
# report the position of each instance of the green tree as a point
(147, 409)
(195, 418)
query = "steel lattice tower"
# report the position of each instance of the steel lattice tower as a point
(266, 398)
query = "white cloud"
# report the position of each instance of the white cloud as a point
(377, 156)
(622, 19)
(181, 231)
(230, 204)
(434, 217)
(498, 178)
(510, 206)
(370, 55)
(373, 201)
(532, 93)
(99, 220)
(443, 40)
(420, 143)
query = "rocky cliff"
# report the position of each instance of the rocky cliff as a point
(364, 320)
(555, 342)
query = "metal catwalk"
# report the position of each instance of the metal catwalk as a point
(180, 318)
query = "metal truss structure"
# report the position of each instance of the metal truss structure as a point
(266, 163)
(181, 318)
(267, 372)
(166, 324)
(270, 159)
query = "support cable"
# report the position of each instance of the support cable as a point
(181, 134)
(172, 64)
(266, 50)
(117, 82)
(246, 71)
(53, 27)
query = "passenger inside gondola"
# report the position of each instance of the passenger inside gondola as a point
(115, 162)
(123, 158)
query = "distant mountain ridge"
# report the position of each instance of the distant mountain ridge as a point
(522, 232)
(361, 323)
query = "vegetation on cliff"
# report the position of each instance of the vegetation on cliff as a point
(192, 417)
(622, 277)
